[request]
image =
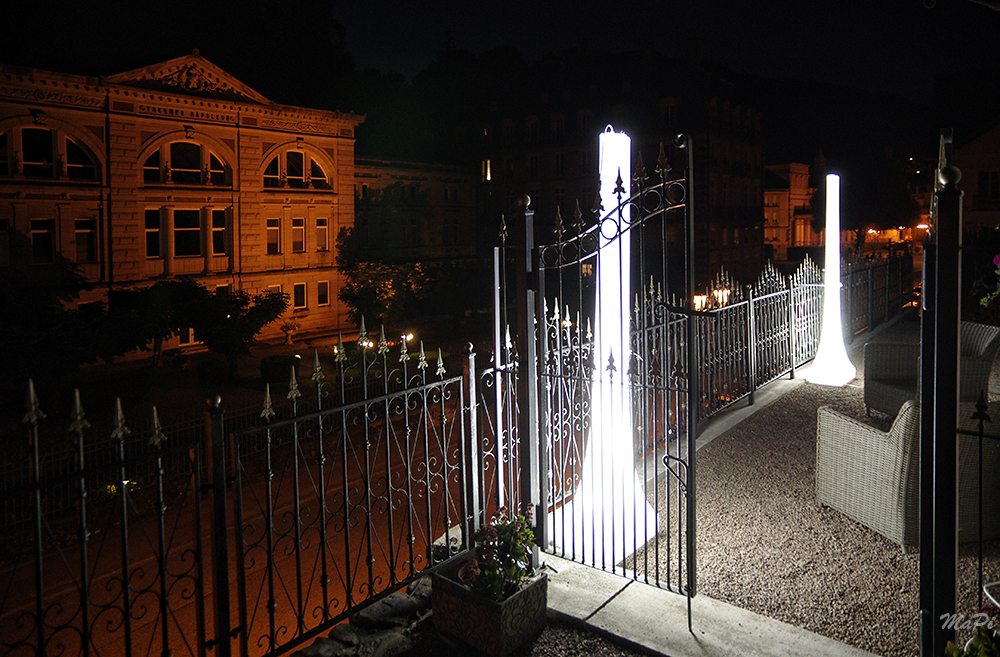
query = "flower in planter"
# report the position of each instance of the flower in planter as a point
(985, 301)
(500, 563)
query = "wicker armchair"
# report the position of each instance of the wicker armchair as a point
(892, 371)
(873, 477)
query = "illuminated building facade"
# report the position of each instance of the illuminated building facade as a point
(788, 215)
(176, 169)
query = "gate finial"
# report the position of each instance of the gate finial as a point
(268, 412)
(293, 383)
(383, 346)
(619, 190)
(120, 430)
(317, 375)
(158, 436)
(640, 171)
(422, 361)
(34, 413)
(662, 165)
(79, 423)
(339, 354)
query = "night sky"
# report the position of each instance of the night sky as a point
(891, 45)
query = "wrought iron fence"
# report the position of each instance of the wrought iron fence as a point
(744, 338)
(752, 335)
(747, 337)
(316, 510)
(121, 567)
(342, 506)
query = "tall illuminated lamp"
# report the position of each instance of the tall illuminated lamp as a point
(832, 366)
(610, 514)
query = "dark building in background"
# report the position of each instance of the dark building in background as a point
(978, 157)
(542, 139)
(406, 211)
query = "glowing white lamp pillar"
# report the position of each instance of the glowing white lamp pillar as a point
(832, 366)
(610, 514)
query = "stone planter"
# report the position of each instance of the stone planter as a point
(495, 628)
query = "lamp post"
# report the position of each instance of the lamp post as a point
(832, 366)
(611, 516)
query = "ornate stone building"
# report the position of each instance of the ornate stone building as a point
(176, 169)
(788, 215)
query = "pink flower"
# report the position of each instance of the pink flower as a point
(996, 261)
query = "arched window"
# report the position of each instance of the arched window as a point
(186, 163)
(41, 153)
(295, 169)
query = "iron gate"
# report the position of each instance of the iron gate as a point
(550, 301)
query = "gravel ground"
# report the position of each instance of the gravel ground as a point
(557, 640)
(772, 549)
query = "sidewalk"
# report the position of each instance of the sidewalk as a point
(653, 619)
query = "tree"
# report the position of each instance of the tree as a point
(377, 290)
(138, 316)
(228, 323)
(39, 338)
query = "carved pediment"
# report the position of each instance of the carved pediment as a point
(191, 75)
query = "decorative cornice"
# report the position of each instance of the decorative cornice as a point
(46, 96)
(298, 126)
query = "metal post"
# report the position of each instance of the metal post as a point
(871, 299)
(792, 298)
(35, 476)
(849, 291)
(542, 529)
(885, 311)
(694, 395)
(752, 346)
(219, 526)
(927, 300)
(475, 493)
(499, 360)
(527, 379)
(939, 445)
(947, 319)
